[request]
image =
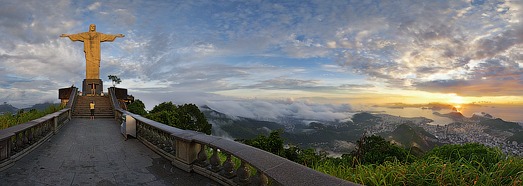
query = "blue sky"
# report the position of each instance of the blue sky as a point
(314, 52)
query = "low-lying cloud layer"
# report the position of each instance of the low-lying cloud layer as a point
(275, 110)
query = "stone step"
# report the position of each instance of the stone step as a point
(96, 116)
(103, 107)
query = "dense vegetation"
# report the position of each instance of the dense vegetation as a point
(9, 120)
(375, 161)
(379, 162)
(186, 116)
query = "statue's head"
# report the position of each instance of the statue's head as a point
(92, 28)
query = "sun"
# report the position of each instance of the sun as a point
(456, 100)
(457, 108)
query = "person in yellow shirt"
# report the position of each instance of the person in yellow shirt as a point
(91, 106)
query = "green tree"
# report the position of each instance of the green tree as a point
(193, 119)
(186, 116)
(165, 106)
(115, 79)
(137, 107)
(272, 143)
(376, 150)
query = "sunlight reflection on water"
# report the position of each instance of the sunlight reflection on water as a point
(505, 112)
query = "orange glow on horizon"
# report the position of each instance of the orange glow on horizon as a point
(457, 108)
(375, 97)
(455, 99)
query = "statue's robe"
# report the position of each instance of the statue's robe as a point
(92, 42)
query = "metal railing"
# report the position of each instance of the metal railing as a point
(198, 152)
(17, 141)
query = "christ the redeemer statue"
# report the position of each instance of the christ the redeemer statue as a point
(92, 83)
(92, 40)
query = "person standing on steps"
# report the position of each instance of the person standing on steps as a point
(91, 106)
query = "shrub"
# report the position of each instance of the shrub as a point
(475, 153)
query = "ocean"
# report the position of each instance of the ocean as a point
(512, 113)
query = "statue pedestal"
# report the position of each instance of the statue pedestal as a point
(92, 87)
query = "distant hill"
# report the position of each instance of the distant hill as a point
(313, 135)
(41, 106)
(333, 136)
(237, 127)
(324, 136)
(499, 124)
(5, 108)
(408, 135)
(456, 116)
(501, 128)
(365, 118)
(494, 126)
(518, 136)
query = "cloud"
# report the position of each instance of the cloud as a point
(209, 46)
(356, 86)
(433, 44)
(275, 110)
(499, 86)
(94, 6)
(286, 83)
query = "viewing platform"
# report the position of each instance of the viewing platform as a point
(93, 152)
(65, 148)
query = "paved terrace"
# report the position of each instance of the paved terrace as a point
(93, 152)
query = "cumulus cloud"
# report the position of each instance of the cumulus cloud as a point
(210, 46)
(435, 43)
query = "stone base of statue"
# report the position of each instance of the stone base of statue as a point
(92, 87)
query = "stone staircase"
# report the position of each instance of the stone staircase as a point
(102, 109)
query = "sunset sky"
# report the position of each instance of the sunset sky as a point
(312, 52)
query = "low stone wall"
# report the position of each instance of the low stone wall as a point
(17, 141)
(197, 152)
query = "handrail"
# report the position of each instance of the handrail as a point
(188, 150)
(17, 141)
(72, 98)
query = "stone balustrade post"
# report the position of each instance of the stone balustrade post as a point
(186, 154)
(25, 139)
(215, 161)
(5, 152)
(243, 174)
(261, 179)
(228, 167)
(202, 157)
(55, 124)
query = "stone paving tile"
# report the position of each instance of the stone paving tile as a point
(52, 177)
(110, 166)
(92, 152)
(93, 179)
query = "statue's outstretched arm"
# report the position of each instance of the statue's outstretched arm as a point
(110, 37)
(73, 37)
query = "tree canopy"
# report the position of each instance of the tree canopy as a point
(116, 80)
(187, 116)
(137, 107)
